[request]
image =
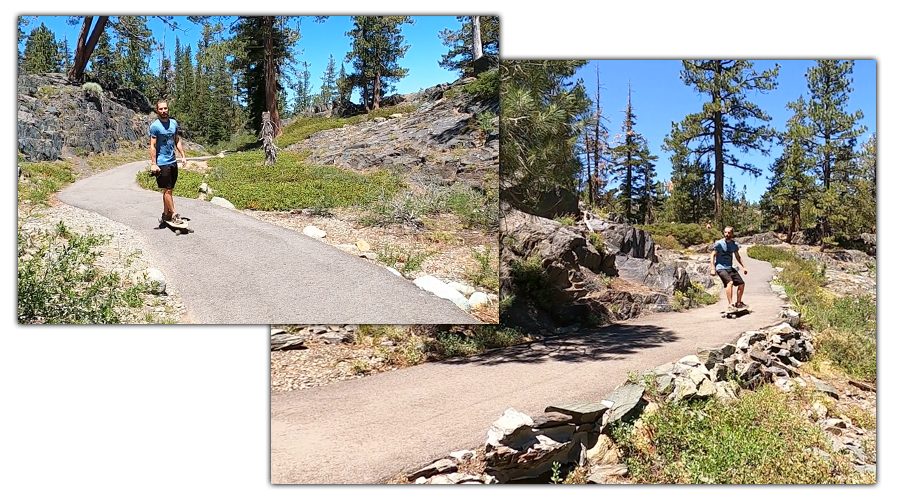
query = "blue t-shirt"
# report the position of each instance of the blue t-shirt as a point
(725, 251)
(165, 140)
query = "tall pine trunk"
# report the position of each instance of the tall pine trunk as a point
(85, 47)
(477, 51)
(271, 78)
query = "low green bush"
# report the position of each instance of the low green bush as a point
(759, 438)
(846, 324)
(188, 184)
(685, 234)
(59, 283)
(246, 182)
(41, 179)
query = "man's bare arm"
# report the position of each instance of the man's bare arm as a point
(712, 263)
(153, 166)
(741, 262)
(179, 146)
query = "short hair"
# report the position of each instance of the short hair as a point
(727, 228)
(159, 101)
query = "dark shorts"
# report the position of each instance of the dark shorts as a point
(168, 175)
(730, 276)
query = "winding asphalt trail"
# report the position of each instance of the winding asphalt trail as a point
(235, 269)
(372, 428)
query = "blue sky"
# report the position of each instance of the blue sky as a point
(659, 97)
(317, 41)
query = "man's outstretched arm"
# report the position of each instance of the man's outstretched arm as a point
(741, 262)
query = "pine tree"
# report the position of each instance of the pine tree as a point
(135, 48)
(595, 144)
(461, 54)
(834, 135)
(377, 46)
(264, 52)
(691, 192)
(65, 55)
(21, 24)
(304, 88)
(539, 125)
(722, 125)
(344, 85)
(41, 52)
(105, 64)
(629, 158)
(329, 90)
(791, 184)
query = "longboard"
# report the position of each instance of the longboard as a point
(178, 228)
(742, 311)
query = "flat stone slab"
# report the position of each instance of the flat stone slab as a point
(624, 399)
(582, 412)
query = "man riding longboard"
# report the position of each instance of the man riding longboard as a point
(721, 264)
(164, 141)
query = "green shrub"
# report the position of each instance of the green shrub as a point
(487, 275)
(475, 210)
(529, 279)
(449, 344)
(846, 324)
(758, 438)
(41, 179)
(291, 184)
(485, 121)
(410, 260)
(92, 89)
(596, 239)
(188, 184)
(685, 234)
(486, 86)
(58, 282)
(694, 296)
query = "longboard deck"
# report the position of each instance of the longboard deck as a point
(737, 313)
(178, 228)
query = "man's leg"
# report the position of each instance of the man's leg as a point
(739, 283)
(729, 288)
(168, 203)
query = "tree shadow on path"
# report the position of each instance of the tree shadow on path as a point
(612, 342)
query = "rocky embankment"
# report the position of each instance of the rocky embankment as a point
(57, 119)
(449, 137)
(560, 274)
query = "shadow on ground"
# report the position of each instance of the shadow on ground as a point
(606, 343)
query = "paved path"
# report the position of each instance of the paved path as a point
(368, 429)
(235, 269)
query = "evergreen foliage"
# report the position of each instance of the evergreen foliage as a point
(105, 63)
(134, 49)
(834, 136)
(376, 48)
(724, 124)
(329, 89)
(460, 57)
(539, 124)
(41, 52)
(633, 165)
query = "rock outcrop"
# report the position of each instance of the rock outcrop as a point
(56, 119)
(450, 136)
(559, 274)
